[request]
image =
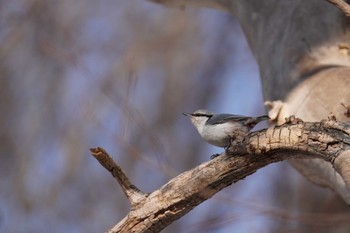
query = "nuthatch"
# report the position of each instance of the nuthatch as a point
(222, 129)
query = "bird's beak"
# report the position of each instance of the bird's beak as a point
(187, 114)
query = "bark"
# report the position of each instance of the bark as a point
(295, 139)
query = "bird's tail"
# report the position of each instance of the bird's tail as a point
(262, 118)
(255, 120)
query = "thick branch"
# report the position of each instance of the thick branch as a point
(180, 195)
(343, 6)
(321, 139)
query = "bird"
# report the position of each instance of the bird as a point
(221, 129)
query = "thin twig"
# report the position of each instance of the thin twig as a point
(343, 6)
(131, 191)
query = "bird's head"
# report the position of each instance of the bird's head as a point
(199, 118)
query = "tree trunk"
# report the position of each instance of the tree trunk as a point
(302, 52)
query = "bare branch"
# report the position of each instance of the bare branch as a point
(131, 191)
(294, 139)
(321, 139)
(343, 6)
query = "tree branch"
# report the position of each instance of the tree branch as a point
(343, 6)
(294, 139)
(131, 191)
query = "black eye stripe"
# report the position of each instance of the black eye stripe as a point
(201, 115)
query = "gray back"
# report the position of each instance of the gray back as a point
(225, 117)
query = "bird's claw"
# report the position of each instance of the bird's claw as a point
(214, 156)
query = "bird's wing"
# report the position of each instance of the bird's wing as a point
(223, 118)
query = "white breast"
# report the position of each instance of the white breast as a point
(220, 134)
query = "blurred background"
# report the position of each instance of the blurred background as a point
(118, 74)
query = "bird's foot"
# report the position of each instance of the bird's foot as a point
(230, 140)
(214, 156)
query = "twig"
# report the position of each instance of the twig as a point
(134, 194)
(343, 6)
